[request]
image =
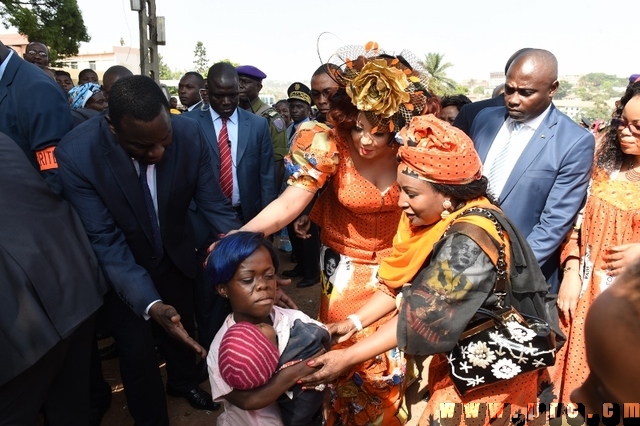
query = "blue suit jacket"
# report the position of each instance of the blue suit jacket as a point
(34, 112)
(101, 182)
(548, 184)
(255, 167)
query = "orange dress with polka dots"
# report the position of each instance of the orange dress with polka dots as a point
(611, 217)
(358, 223)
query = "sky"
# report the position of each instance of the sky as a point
(288, 40)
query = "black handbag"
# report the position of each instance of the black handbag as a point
(502, 343)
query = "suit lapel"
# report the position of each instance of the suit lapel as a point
(125, 174)
(244, 130)
(543, 135)
(491, 131)
(8, 76)
(209, 132)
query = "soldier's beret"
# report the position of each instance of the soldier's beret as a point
(251, 71)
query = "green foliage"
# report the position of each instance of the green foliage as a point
(600, 110)
(478, 90)
(563, 90)
(229, 61)
(56, 23)
(166, 73)
(436, 68)
(460, 90)
(201, 62)
(599, 84)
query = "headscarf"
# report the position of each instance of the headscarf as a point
(80, 95)
(436, 152)
(389, 89)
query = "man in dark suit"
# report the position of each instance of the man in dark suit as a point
(468, 113)
(131, 176)
(537, 159)
(51, 286)
(35, 112)
(253, 183)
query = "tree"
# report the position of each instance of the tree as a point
(564, 88)
(56, 23)
(201, 62)
(600, 110)
(166, 73)
(435, 66)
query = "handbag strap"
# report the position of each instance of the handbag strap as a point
(501, 285)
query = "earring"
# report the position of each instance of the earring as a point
(446, 205)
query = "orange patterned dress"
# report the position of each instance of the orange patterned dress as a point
(611, 217)
(358, 223)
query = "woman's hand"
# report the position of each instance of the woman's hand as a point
(619, 257)
(302, 226)
(341, 331)
(568, 295)
(332, 364)
(282, 299)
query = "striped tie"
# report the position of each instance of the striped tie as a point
(496, 173)
(226, 175)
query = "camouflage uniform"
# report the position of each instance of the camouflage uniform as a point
(276, 125)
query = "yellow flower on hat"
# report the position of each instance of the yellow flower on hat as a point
(379, 88)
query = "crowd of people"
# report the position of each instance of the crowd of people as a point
(413, 212)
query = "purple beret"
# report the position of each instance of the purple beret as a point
(251, 71)
(634, 78)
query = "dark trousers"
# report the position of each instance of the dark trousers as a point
(306, 252)
(57, 384)
(136, 347)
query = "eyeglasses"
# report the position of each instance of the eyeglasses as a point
(34, 53)
(621, 124)
(315, 94)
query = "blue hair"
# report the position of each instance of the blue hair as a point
(231, 251)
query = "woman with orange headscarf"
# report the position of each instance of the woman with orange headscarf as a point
(447, 254)
(358, 213)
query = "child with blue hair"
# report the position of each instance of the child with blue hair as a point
(244, 374)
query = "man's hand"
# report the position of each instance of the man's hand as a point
(169, 319)
(282, 299)
(302, 226)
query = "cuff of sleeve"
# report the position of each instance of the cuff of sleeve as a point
(145, 315)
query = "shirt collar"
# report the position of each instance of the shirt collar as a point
(3, 65)
(535, 122)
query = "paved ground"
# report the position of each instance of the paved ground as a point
(180, 412)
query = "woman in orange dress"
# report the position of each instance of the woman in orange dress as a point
(606, 240)
(447, 254)
(355, 163)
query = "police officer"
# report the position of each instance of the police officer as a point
(250, 79)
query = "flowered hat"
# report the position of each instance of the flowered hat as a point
(435, 151)
(246, 357)
(389, 89)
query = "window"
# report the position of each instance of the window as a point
(92, 65)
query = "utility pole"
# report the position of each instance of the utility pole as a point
(151, 36)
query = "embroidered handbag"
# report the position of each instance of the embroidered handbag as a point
(500, 344)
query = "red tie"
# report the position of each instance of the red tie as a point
(224, 146)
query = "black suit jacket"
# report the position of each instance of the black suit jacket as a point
(50, 280)
(101, 182)
(468, 113)
(34, 112)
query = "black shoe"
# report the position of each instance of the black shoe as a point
(108, 352)
(203, 371)
(196, 397)
(308, 282)
(292, 273)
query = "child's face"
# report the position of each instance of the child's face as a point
(252, 289)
